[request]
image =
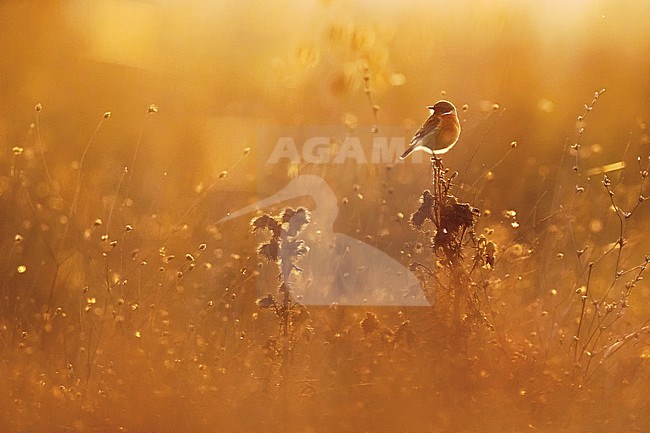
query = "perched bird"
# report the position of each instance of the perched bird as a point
(439, 133)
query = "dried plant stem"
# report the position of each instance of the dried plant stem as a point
(583, 298)
(476, 149)
(72, 211)
(284, 249)
(117, 193)
(453, 229)
(576, 146)
(40, 143)
(368, 92)
(493, 167)
(73, 205)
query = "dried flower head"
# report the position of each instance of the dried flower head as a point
(370, 323)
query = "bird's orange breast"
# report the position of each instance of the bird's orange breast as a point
(448, 130)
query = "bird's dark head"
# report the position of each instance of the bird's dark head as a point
(442, 107)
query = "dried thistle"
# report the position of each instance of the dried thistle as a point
(453, 234)
(285, 249)
(425, 211)
(451, 218)
(369, 324)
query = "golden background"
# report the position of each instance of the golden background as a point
(92, 340)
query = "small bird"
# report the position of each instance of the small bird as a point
(439, 133)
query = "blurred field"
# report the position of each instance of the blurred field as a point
(129, 129)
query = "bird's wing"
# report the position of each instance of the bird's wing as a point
(427, 127)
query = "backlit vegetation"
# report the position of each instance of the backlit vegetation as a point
(127, 305)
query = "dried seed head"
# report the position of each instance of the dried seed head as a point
(370, 323)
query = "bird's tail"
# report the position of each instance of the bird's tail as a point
(408, 151)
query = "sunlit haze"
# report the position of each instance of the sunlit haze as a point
(205, 225)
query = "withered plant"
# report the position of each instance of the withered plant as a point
(452, 239)
(285, 249)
